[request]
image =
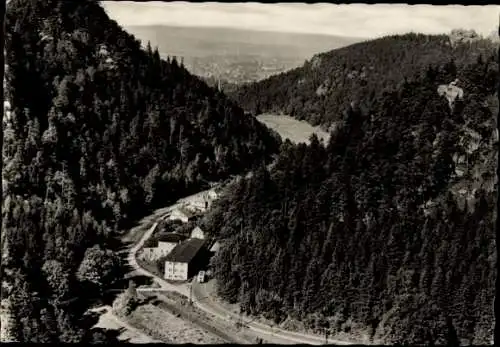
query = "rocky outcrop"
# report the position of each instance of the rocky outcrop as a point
(462, 35)
(451, 92)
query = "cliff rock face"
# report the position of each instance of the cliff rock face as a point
(451, 92)
(458, 36)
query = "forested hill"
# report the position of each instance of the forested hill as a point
(321, 90)
(386, 233)
(99, 132)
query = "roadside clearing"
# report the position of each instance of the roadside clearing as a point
(128, 333)
(198, 319)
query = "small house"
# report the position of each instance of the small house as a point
(197, 233)
(199, 203)
(185, 260)
(215, 193)
(167, 242)
(181, 214)
(163, 245)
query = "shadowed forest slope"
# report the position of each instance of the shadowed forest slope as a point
(322, 89)
(98, 133)
(385, 233)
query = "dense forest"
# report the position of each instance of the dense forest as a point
(386, 232)
(321, 90)
(99, 132)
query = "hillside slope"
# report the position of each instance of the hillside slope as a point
(322, 89)
(387, 233)
(99, 132)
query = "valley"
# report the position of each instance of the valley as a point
(234, 184)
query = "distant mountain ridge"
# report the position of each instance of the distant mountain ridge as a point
(322, 89)
(165, 37)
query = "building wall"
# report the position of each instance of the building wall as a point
(176, 215)
(197, 233)
(154, 253)
(176, 271)
(212, 194)
(198, 203)
(165, 248)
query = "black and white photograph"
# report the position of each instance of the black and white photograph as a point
(249, 173)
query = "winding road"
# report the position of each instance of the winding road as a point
(203, 301)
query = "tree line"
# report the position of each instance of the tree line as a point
(101, 132)
(375, 233)
(321, 89)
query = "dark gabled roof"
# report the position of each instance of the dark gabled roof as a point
(171, 237)
(185, 251)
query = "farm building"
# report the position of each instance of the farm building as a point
(181, 214)
(202, 202)
(214, 193)
(197, 233)
(162, 246)
(199, 203)
(185, 260)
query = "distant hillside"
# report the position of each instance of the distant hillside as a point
(99, 132)
(321, 90)
(386, 234)
(236, 55)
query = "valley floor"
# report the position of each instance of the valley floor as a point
(208, 313)
(292, 129)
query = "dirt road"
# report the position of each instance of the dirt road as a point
(202, 298)
(132, 253)
(202, 301)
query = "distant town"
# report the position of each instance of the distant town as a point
(238, 69)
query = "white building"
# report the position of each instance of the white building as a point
(181, 214)
(165, 245)
(201, 277)
(214, 194)
(203, 201)
(184, 260)
(198, 203)
(197, 233)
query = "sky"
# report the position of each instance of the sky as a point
(353, 20)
